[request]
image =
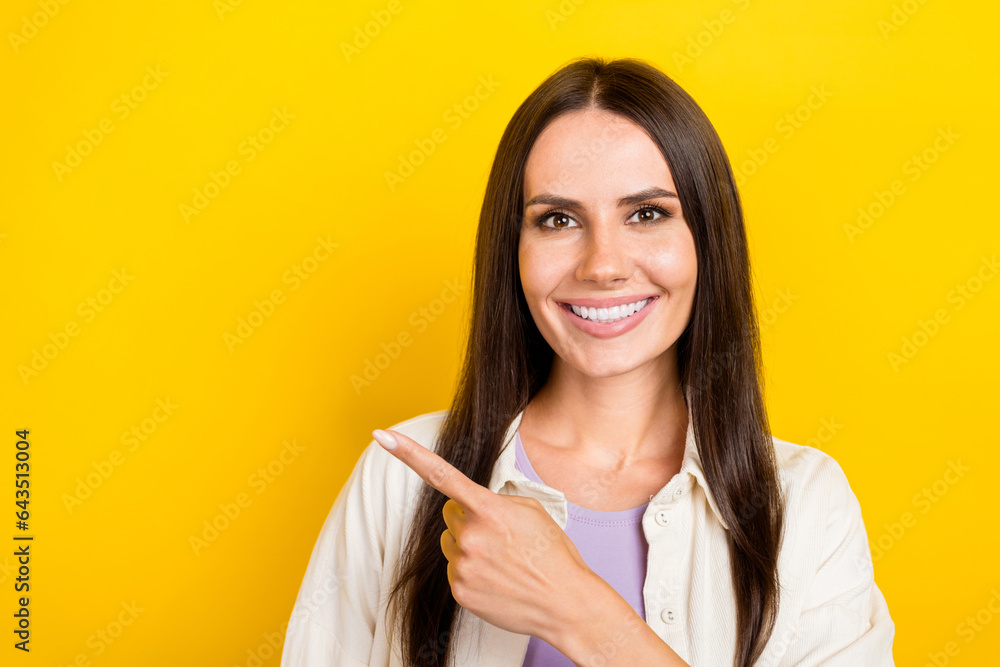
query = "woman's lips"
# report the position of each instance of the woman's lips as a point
(609, 329)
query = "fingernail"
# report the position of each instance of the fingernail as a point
(384, 439)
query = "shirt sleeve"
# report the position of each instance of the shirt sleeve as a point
(845, 620)
(309, 644)
(334, 618)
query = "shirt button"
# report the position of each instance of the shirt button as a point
(678, 491)
(663, 517)
(668, 615)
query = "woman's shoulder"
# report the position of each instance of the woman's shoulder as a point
(813, 480)
(795, 460)
(382, 492)
(423, 428)
(377, 463)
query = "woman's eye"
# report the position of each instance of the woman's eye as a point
(648, 215)
(559, 220)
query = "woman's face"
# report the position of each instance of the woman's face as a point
(603, 227)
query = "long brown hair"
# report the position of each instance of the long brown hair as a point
(507, 360)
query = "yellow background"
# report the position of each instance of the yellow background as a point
(893, 74)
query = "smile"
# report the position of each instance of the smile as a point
(609, 322)
(608, 315)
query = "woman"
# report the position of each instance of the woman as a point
(604, 489)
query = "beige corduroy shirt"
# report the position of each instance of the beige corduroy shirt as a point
(831, 611)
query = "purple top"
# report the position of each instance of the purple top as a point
(611, 543)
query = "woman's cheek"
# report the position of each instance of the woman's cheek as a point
(675, 265)
(541, 271)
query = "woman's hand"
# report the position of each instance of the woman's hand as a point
(509, 562)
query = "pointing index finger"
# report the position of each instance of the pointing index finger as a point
(434, 470)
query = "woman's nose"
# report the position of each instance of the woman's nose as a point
(605, 256)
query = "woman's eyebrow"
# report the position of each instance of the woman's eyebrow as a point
(641, 195)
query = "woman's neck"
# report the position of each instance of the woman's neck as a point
(611, 421)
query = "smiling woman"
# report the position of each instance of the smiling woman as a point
(604, 488)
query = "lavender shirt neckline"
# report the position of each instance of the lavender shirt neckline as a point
(592, 517)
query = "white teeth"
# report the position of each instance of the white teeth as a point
(612, 314)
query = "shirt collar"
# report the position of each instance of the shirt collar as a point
(504, 471)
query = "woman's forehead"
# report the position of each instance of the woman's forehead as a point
(594, 152)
